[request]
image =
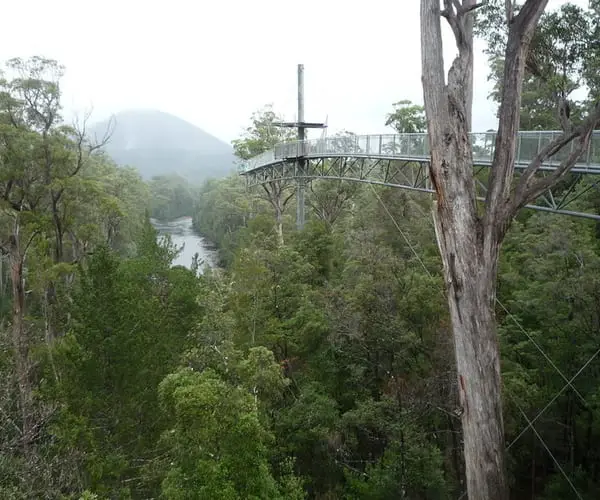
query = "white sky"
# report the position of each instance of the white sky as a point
(214, 63)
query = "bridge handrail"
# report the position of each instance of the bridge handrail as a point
(407, 146)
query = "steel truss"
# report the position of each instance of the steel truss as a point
(413, 175)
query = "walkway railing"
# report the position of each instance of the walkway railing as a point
(416, 146)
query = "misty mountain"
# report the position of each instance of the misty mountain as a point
(159, 143)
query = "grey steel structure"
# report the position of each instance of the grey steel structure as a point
(301, 126)
(401, 161)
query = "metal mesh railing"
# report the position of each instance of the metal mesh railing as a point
(266, 158)
(408, 146)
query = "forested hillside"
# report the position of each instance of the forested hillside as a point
(171, 197)
(313, 364)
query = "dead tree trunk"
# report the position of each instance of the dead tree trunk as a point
(469, 243)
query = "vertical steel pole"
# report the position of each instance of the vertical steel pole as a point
(300, 181)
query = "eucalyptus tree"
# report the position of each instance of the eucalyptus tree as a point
(263, 135)
(469, 238)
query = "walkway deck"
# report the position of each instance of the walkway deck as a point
(415, 147)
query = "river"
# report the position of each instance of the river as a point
(182, 233)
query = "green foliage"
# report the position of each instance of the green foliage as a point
(60, 200)
(171, 197)
(563, 57)
(318, 367)
(219, 445)
(131, 320)
(407, 118)
(262, 134)
(222, 209)
(410, 468)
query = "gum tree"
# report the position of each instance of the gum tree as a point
(258, 138)
(469, 238)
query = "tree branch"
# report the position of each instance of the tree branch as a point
(528, 189)
(434, 81)
(564, 115)
(457, 16)
(272, 195)
(510, 7)
(452, 17)
(83, 153)
(520, 34)
(472, 7)
(30, 241)
(288, 199)
(264, 186)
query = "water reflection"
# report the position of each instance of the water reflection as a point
(182, 233)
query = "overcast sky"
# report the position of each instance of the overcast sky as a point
(214, 63)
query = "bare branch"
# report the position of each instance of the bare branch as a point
(551, 149)
(287, 199)
(528, 188)
(273, 193)
(452, 17)
(510, 8)
(470, 8)
(564, 115)
(110, 129)
(519, 38)
(83, 146)
(434, 81)
(533, 190)
(264, 186)
(30, 241)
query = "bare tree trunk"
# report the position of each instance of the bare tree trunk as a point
(469, 22)
(470, 282)
(470, 276)
(470, 263)
(470, 244)
(279, 222)
(58, 230)
(50, 292)
(19, 339)
(275, 191)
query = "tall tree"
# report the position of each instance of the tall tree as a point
(329, 198)
(263, 135)
(469, 241)
(41, 168)
(20, 196)
(560, 60)
(592, 63)
(407, 118)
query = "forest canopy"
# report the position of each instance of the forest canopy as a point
(314, 363)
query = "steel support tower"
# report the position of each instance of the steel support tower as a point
(301, 162)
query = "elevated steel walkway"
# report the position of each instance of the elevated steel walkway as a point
(415, 147)
(401, 160)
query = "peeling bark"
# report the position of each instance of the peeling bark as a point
(469, 244)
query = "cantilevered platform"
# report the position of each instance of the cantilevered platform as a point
(415, 147)
(401, 161)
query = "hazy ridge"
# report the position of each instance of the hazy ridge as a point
(160, 143)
